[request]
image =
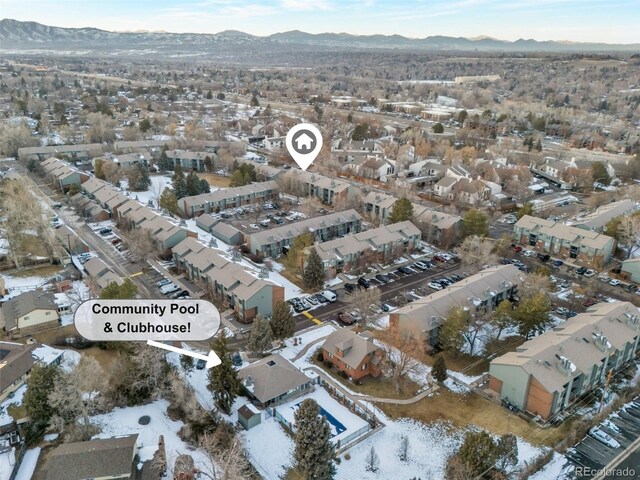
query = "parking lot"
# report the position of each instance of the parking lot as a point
(622, 427)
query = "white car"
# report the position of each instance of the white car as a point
(254, 226)
(614, 282)
(590, 273)
(604, 277)
(529, 253)
(169, 288)
(435, 286)
(603, 437)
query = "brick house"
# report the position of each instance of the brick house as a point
(353, 354)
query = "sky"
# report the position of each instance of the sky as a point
(609, 21)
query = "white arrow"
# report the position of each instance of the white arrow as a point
(213, 360)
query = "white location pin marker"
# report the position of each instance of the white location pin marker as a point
(304, 142)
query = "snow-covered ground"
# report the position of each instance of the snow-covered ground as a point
(309, 336)
(344, 420)
(124, 421)
(17, 285)
(28, 465)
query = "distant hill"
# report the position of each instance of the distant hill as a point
(15, 34)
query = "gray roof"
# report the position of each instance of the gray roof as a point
(104, 458)
(229, 193)
(207, 220)
(354, 347)
(26, 303)
(286, 232)
(15, 361)
(95, 267)
(582, 340)
(381, 200)
(271, 377)
(428, 313)
(225, 230)
(598, 218)
(433, 217)
(564, 232)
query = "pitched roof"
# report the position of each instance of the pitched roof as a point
(93, 185)
(598, 218)
(102, 458)
(225, 229)
(187, 245)
(434, 217)
(15, 360)
(229, 193)
(428, 312)
(381, 200)
(568, 233)
(271, 377)
(26, 303)
(582, 340)
(354, 347)
(95, 266)
(207, 220)
(285, 232)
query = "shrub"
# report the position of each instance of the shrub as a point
(347, 456)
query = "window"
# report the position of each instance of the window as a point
(364, 366)
(26, 317)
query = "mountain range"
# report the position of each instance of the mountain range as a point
(18, 35)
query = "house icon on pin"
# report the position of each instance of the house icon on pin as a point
(303, 142)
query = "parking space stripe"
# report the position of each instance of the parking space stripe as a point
(312, 318)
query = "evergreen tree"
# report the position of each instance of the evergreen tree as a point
(526, 209)
(439, 370)
(261, 336)
(223, 379)
(254, 102)
(314, 453)
(208, 163)
(40, 383)
(163, 162)
(126, 290)
(193, 184)
(475, 222)
(179, 184)
(168, 201)
(401, 211)
(204, 186)
(74, 188)
(97, 168)
(360, 132)
(599, 173)
(438, 128)
(462, 116)
(282, 323)
(237, 179)
(209, 95)
(140, 174)
(145, 125)
(313, 275)
(478, 451)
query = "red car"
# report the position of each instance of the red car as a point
(517, 248)
(438, 258)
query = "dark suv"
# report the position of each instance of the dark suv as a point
(363, 282)
(543, 257)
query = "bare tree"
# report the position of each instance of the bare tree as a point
(361, 300)
(398, 345)
(372, 461)
(477, 251)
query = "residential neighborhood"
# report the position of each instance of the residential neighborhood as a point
(417, 253)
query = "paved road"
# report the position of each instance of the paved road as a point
(628, 469)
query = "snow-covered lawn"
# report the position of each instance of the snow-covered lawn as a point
(17, 285)
(557, 469)
(291, 350)
(124, 421)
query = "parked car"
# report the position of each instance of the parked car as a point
(581, 270)
(565, 284)
(444, 282)
(104, 231)
(56, 206)
(254, 226)
(528, 253)
(603, 437)
(406, 270)
(385, 307)
(517, 248)
(590, 273)
(346, 318)
(439, 258)
(604, 277)
(456, 277)
(435, 286)
(363, 282)
(382, 278)
(320, 298)
(179, 293)
(420, 265)
(614, 282)
(558, 263)
(116, 241)
(163, 282)
(312, 300)
(544, 257)
(349, 287)
(169, 288)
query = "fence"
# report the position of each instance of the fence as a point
(19, 456)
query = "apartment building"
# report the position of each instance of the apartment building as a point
(357, 251)
(274, 242)
(72, 152)
(598, 219)
(564, 241)
(190, 160)
(237, 288)
(548, 373)
(62, 174)
(196, 205)
(328, 190)
(485, 289)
